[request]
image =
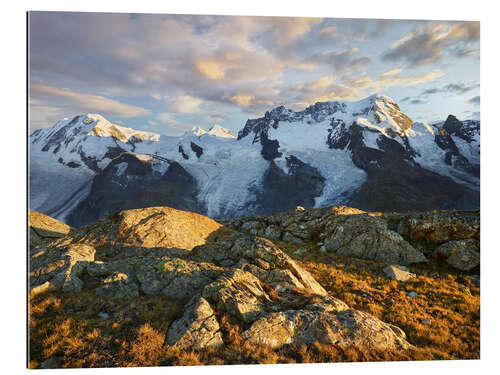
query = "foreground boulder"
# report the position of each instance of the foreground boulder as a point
(368, 237)
(43, 229)
(343, 328)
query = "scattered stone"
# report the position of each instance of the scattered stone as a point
(426, 321)
(299, 209)
(476, 280)
(399, 273)
(103, 315)
(411, 294)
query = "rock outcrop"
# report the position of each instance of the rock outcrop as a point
(43, 229)
(438, 227)
(146, 228)
(59, 268)
(212, 270)
(343, 230)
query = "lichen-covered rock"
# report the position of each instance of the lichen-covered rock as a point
(239, 293)
(437, 228)
(368, 237)
(43, 229)
(256, 251)
(462, 255)
(197, 328)
(119, 285)
(273, 232)
(344, 329)
(59, 268)
(399, 273)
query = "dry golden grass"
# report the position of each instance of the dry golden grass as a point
(443, 321)
(67, 327)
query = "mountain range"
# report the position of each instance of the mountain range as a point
(367, 154)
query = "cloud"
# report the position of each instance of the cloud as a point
(476, 100)
(207, 67)
(187, 104)
(174, 125)
(86, 102)
(428, 43)
(455, 88)
(394, 78)
(68, 103)
(338, 61)
(390, 73)
(417, 101)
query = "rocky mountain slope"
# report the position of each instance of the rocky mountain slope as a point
(366, 154)
(205, 275)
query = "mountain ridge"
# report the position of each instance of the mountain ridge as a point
(329, 153)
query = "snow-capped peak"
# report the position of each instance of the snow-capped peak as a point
(198, 131)
(216, 130)
(220, 131)
(104, 128)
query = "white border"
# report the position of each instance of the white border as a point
(13, 136)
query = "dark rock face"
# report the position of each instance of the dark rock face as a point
(181, 150)
(269, 148)
(462, 129)
(284, 191)
(397, 183)
(443, 139)
(196, 149)
(137, 186)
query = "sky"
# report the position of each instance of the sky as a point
(168, 73)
